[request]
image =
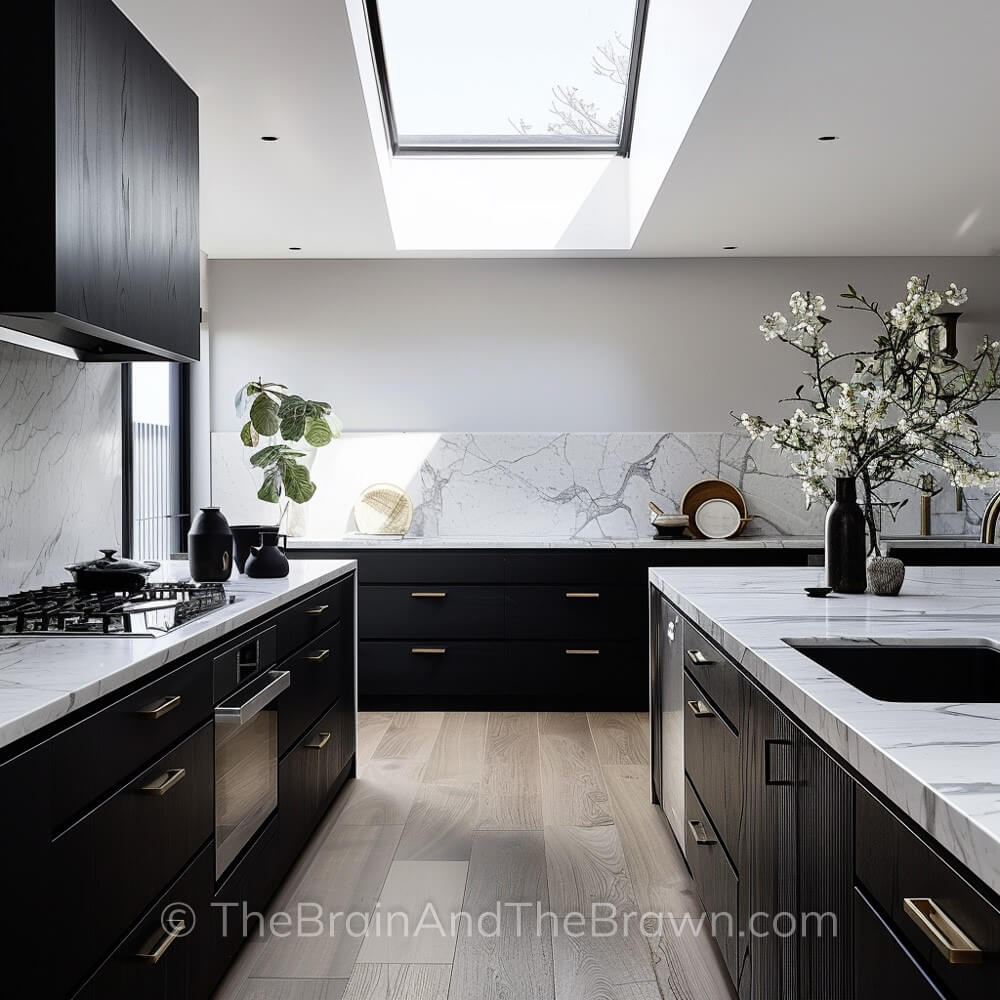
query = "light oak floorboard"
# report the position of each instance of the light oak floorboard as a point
(410, 735)
(383, 794)
(621, 737)
(371, 729)
(423, 891)
(603, 968)
(510, 795)
(346, 876)
(459, 749)
(294, 989)
(690, 967)
(586, 866)
(399, 982)
(573, 792)
(441, 823)
(495, 961)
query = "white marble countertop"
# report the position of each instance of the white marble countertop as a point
(648, 542)
(44, 679)
(939, 763)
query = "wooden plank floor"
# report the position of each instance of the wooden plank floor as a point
(532, 816)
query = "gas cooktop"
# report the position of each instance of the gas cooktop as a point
(65, 610)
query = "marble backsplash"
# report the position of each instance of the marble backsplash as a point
(60, 464)
(549, 485)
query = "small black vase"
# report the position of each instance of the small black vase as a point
(267, 561)
(845, 541)
(244, 536)
(210, 547)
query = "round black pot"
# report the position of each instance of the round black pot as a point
(267, 561)
(245, 535)
(846, 572)
(210, 547)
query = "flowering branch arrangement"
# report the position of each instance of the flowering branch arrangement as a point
(885, 415)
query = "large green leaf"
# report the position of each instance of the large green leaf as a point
(264, 415)
(249, 435)
(267, 455)
(317, 432)
(270, 490)
(298, 486)
(293, 413)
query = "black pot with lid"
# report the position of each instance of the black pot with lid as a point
(109, 575)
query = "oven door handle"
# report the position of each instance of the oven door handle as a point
(258, 695)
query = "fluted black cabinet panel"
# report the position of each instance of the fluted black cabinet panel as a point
(100, 184)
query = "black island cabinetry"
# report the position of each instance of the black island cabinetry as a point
(112, 811)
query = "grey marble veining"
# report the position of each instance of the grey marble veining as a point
(939, 763)
(60, 464)
(44, 679)
(585, 486)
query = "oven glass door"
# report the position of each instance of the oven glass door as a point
(246, 765)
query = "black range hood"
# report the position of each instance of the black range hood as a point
(99, 253)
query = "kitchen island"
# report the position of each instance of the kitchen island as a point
(885, 812)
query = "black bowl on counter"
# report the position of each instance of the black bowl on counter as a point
(110, 575)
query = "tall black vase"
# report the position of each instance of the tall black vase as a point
(845, 541)
(210, 547)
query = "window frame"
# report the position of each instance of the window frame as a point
(504, 145)
(180, 423)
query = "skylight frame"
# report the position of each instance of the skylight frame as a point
(504, 145)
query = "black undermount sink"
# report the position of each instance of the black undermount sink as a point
(896, 672)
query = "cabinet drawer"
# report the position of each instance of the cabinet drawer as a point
(709, 666)
(320, 672)
(893, 864)
(883, 965)
(589, 611)
(423, 612)
(711, 760)
(111, 863)
(582, 674)
(154, 965)
(96, 754)
(430, 669)
(311, 617)
(713, 876)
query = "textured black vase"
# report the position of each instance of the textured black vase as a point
(845, 541)
(210, 547)
(267, 561)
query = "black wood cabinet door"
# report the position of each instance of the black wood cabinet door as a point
(769, 965)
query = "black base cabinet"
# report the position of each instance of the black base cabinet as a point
(825, 881)
(111, 816)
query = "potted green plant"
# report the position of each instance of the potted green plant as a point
(284, 429)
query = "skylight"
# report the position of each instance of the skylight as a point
(507, 75)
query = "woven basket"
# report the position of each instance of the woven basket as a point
(384, 509)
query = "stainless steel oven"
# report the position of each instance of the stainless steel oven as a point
(246, 750)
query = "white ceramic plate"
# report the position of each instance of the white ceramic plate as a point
(717, 519)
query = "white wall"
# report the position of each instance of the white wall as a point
(531, 345)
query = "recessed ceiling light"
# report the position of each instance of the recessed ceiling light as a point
(828, 138)
(268, 138)
(730, 248)
(295, 248)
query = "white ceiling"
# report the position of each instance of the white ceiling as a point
(909, 85)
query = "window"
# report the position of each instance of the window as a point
(156, 448)
(517, 76)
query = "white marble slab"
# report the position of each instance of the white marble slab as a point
(44, 679)
(939, 763)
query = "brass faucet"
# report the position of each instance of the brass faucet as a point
(988, 529)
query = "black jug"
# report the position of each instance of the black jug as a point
(267, 561)
(244, 536)
(210, 547)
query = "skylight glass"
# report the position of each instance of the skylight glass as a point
(469, 75)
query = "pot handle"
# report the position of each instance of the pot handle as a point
(283, 543)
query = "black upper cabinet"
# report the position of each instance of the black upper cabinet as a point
(100, 185)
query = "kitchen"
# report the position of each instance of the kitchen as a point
(469, 652)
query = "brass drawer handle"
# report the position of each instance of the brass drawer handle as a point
(152, 955)
(318, 610)
(428, 651)
(700, 834)
(581, 594)
(319, 656)
(944, 933)
(165, 782)
(698, 658)
(700, 710)
(158, 710)
(429, 593)
(324, 738)
(583, 652)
